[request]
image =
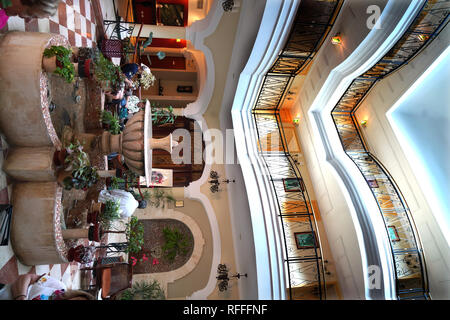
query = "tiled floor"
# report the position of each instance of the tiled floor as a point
(75, 20)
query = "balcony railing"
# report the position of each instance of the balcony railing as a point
(410, 267)
(302, 254)
(312, 24)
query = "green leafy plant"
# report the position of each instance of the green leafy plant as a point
(6, 3)
(156, 198)
(116, 183)
(65, 67)
(81, 178)
(110, 213)
(76, 158)
(112, 121)
(162, 115)
(144, 291)
(175, 243)
(135, 235)
(108, 72)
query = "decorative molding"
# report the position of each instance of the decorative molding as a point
(275, 25)
(374, 245)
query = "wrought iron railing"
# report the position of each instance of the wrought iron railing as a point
(302, 254)
(407, 252)
(311, 26)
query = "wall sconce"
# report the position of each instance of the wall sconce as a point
(296, 121)
(336, 39)
(364, 122)
(178, 40)
(422, 37)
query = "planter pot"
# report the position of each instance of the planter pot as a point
(49, 64)
(93, 217)
(59, 156)
(95, 233)
(80, 254)
(75, 54)
(62, 174)
(88, 69)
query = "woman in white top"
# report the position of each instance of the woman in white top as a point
(43, 287)
(127, 203)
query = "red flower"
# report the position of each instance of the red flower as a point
(155, 261)
(144, 257)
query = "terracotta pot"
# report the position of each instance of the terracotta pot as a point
(49, 64)
(80, 254)
(75, 53)
(59, 156)
(89, 68)
(62, 174)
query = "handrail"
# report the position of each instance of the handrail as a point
(298, 51)
(432, 18)
(312, 25)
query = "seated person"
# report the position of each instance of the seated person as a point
(43, 287)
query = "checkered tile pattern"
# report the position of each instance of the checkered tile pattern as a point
(74, 20)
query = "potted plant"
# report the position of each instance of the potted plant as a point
(109, 213)
(59, 156)
(162, 115)
(144, 291)
(135, 235)
(57, 59)
(157, 198)
(94, 211)
(107, 74)
(81, 254)
(86, 58)
(111, 121)
(81, 178)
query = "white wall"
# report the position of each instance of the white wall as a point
(383, 143)
(335, 212)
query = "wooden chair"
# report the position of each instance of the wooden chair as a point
(111, 278)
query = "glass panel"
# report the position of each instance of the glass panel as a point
(306, 284)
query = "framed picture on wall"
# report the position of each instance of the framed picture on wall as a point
(305, 240)
(393, 234)
(293, 185)
(160, 178)
(373, 183)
